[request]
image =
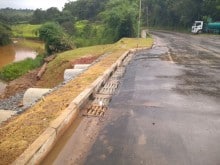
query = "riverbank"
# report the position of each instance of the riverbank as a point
(19, 50)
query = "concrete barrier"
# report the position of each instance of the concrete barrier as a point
(33, 94)
(38, 150)
(71, 73)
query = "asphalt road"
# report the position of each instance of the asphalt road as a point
(165, 112)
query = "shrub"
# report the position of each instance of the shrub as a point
(5, 34)
(56, 40)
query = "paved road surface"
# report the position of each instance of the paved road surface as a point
(165, 112)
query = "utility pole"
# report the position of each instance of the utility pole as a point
(139, 20)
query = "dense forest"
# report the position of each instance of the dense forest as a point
(89, 22)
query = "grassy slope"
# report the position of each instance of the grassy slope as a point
(19, 133)
(25, 30)
(63, 60)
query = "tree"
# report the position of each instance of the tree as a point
(211, 8)
(172, 13)
(39, 16)
(56, 40)
(120, 19)
(5, 34)
(13, 16)
(52, 14)
(85, 9)
(66, 20)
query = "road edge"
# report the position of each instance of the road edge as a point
(45, 142)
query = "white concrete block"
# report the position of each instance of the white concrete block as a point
(81, 66)
(71, 73)
(33, 94)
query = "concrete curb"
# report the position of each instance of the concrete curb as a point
(44, 143)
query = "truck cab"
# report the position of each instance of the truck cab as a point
(197, 27)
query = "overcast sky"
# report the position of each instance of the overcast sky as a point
(33, 4)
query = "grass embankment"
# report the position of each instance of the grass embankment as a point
(17, 69)
(25, 31)
(63, 61)
(20, 132)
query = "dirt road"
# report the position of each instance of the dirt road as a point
(165, 112)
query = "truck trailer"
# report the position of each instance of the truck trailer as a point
(201, 27)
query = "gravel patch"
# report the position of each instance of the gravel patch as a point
(12, 103)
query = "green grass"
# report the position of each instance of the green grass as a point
(88, 34)
(17, 69)
(25, 30)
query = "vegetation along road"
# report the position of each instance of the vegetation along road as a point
(166, 110)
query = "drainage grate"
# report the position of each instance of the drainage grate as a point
(102, 99)
(96, 110)
(119, 73)
(107, 91)
(109, 87)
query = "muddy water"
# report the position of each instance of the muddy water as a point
(12, 53)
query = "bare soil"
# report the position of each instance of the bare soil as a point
(21, 84)
(29, 80)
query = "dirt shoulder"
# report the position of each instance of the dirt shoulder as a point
(22, 130)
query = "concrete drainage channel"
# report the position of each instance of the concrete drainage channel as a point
(102, 98)
(101, 91)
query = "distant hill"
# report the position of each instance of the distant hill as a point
(14, 16)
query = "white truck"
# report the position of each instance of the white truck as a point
(199, 27)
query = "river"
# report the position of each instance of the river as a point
(19, 50)
(12, 53)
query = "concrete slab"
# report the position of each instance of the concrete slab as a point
(71, 73)
(81, 66)
(5, 114)
(33, 94)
